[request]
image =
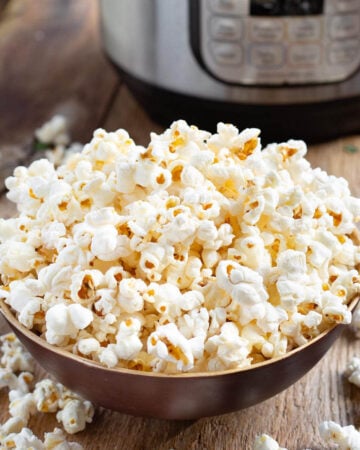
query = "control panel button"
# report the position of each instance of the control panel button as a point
(344, 52)
(304, 30)
(305, 55)
(227, 53)
(254, 42)
(229, 6)
(267, 55)
(225, 28)
(265, 30)
(344, 26)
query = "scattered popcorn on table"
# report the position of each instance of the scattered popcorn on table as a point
(54, 139)
(196, 253)
(345, 438)
(55, 131)
(46, 396)
(352, 371)
(266, 442)
(56, 440)
(25, 439)
(75, 414)
(14, 357)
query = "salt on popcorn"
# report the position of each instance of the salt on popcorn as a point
(198, 252)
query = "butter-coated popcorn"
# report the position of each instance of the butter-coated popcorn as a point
(22, 405)
(345, 438)
(63, 321)
(196, 252)
(17, 385)
(7, 379)
(108, 356)
(25, 400)
(13, 355)
(25, 439)
(74, 415)
(266, 442)
(12, 425)
(87, 346)
(227, 349)
(56, 440)
(168, 344)
(128, 343)
(46, 395)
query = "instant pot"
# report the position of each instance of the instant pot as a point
(289, 67)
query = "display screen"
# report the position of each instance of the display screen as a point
(286, 7)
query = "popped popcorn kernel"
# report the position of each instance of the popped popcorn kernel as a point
(197, 252)
(352, 371)
(345, 438)
(266, 442)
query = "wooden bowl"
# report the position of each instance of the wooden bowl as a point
(185, 396)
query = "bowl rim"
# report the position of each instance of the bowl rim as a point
(10, 317)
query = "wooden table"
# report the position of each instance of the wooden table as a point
(51, 62)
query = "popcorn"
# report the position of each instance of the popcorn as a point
(129, 297)
(266, 442)
(65, 321)
(345, 438)
(334, 310)
(7, 379)
(197, 252)
(88, 346)
(168, 344)
(47, 395)
(22, 406)
(74, 415)
(12, 425)
(53, 131)
(352, 371)
(229, 349)
(128, 343)
(108, 356)
(14, 356)
(56, 440)
(84, 285)
(18, 385)
(25, 439)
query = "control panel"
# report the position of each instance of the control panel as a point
(272, 42)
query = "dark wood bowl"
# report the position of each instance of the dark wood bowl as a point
(183, 397)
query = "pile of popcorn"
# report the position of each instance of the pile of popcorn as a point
(196, 253)
(46, 396)
(336, 436)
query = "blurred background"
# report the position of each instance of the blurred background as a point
(51, 62)
(288, 67)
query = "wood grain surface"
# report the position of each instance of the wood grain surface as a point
(51, 61)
